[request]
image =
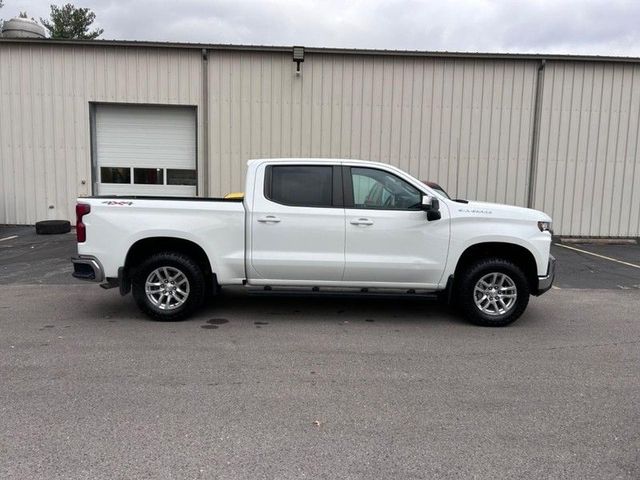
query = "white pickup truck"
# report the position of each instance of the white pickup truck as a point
(323, 225)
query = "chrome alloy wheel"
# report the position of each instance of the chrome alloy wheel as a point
(495, 294)
(167, 288)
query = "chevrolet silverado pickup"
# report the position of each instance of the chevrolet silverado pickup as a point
(318, 224)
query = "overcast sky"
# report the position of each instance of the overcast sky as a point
(599, 27)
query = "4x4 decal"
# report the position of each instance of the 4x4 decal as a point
(117, 202)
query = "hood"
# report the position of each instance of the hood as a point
(486, 209)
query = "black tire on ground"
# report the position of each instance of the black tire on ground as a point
(51, 227)
(475, 272)
(173, 262)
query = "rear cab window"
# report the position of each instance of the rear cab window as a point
(302, 185)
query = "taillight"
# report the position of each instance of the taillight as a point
(81, 230)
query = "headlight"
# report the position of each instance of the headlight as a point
(545, 227)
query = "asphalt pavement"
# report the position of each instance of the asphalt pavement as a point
(27, 258)
(315, 387)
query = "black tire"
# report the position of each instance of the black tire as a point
(173, 261)
(465, 292)
(53, 227)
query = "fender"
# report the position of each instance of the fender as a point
(523, 233)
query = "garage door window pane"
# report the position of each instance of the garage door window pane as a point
(115, 175)
(302, 186)
(181, 177)
(148, 176)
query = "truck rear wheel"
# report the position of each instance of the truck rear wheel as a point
(168, 286)
(493, 292)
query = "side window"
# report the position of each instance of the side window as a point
(377, 189)
(299, 185)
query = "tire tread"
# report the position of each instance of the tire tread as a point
(466, 285)
(197, 284)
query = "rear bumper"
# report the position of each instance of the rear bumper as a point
(544, 283)
(86, 267)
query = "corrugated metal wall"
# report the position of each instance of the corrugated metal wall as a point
(588, 174)
(45, 91)
(464, 122)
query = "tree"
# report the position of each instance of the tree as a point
(71, 23)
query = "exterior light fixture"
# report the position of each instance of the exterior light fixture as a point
(298, 57)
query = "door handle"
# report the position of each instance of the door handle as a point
(361, 221)
(269, 219)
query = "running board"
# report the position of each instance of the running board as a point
(342, 292)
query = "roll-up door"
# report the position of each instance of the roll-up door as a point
(145, 150)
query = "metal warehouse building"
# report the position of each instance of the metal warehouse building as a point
(557, 133)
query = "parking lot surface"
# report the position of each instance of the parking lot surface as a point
(27, 258)
(305, 387)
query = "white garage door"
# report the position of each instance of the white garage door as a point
(145, 150)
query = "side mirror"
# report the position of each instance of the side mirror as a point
(431, 205)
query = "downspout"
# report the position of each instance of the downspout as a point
(205, 123)
(535, 134)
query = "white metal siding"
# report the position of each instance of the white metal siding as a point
(45, 90)
(464, 123)
(588, 176)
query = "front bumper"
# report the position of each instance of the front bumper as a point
(86, 267)
(544, 283)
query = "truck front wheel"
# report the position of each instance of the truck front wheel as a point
(493, 292)
(168, 286)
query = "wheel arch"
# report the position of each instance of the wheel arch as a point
(146, 247)
(513, 252)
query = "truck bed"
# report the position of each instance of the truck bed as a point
(215, 225)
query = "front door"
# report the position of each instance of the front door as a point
(297, 225)
(389, 241)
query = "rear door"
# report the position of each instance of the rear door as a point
(297, 229)
(389, 241)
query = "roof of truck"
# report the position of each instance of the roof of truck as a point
(318, 160)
